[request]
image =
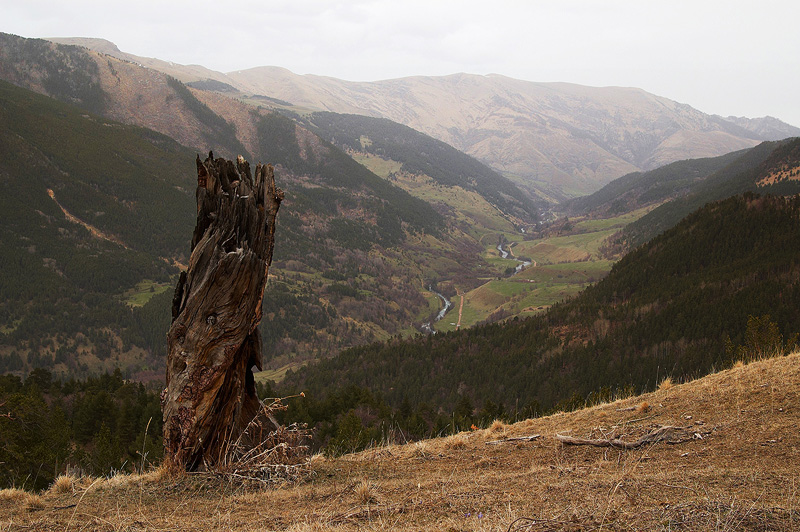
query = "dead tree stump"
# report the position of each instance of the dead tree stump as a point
(214, 340)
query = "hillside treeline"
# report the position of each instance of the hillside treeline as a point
(93, 426)
(667, 309)
(423, 155)
(65, 289)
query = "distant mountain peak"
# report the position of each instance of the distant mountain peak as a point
(766, 127)
(555, 140)
(93, 43)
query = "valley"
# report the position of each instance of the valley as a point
(524, 250)
(377, 217)
(565, 258)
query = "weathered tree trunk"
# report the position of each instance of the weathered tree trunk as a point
(214, 341)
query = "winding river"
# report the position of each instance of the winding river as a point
(522, 263)
(428, 327)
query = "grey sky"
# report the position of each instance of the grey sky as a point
(724, 57)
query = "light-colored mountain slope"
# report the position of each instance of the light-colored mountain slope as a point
(184, 73)
(555, 136)
(554, 139)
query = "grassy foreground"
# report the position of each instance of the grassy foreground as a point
(739, 470)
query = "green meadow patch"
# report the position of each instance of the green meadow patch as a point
(143, 292)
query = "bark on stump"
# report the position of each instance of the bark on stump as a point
(214, 340)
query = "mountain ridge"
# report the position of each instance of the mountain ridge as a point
(526, 130)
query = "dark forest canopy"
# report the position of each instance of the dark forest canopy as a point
(65, 288)
(97, 425)
(666, 309)
(744, 173)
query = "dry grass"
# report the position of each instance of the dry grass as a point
(12, 495)
(33, 502)
(309, 527)
(167, 471)
(666, 384)
(365, 492)
(20, 500)
(419, 449)
(316, 458)
(456, 441)
(497, 426)
(740, 473)
(63, 484)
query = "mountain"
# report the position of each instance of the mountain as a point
(361, 246)
(93, 213)
(183, 73)
(423, 155)
(562, 139)
(556, 140)
(335, 212)
(767, 128)
(665, 309)
(355, 253)
(640, 189)
(96, 215)
(769, 168)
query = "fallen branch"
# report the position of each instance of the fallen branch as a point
(520, 438)
(360, 513)
(528, 523)
(668, 434)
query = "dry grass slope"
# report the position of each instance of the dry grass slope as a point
(739, 471)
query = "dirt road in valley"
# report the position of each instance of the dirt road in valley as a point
(460, 310)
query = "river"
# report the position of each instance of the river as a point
(428, 327)
(522, 263)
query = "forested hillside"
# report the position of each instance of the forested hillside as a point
(420, 154)
(97, 217)
(639, 189)
(90, 208)
(667, 309)
(95, 426)
(750, 171)
(346, 271)
(97, 214)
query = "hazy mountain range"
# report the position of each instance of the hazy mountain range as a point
(377, 217)
(556, 140)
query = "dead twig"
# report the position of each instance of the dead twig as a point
(667, 434)
(54, 508)
(532, 437)
(265, 456)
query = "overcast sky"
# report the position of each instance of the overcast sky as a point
(728, 57)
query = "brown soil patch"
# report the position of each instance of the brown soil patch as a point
(741, 472)
(94, 231)
(785, 173)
